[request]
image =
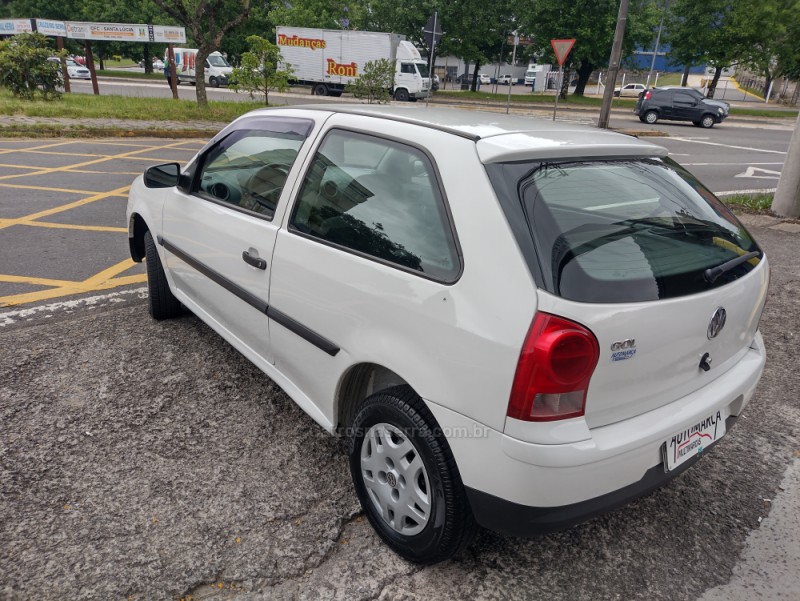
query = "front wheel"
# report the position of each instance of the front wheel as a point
(214, 82)
(650, 117)
(707, 122)
(162, 304)
(401, 95)
(406, 478)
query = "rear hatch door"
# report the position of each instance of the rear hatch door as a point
(623, 247)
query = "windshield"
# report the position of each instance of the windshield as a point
(624, 230)
(217, 60)
(423, 69)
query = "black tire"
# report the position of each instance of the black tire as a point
(214, 82)
(401, 95)
(617, 94)
(320, 89)
(162, 304)
(697, 124)
(641, 119)
(650, 117)
(450, 525)
(707, 121)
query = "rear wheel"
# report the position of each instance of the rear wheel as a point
(650, 117)
(406, 478)
(162, 304)
(401, 95)
(320, 89)
(707, 122)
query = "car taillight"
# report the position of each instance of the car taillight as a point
(647, 95)
(553, 371)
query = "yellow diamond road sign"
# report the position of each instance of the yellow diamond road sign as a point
(562, 48)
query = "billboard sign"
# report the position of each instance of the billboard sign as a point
(51, 28)
(15, 26)
(110, 32)
(167, 34)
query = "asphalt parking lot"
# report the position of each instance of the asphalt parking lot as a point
(62, 214)
(145, 461)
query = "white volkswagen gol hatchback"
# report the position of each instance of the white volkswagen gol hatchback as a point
(519, 324)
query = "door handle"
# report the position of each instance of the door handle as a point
(251, 257)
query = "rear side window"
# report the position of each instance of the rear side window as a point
(621, 230)
(378, 198)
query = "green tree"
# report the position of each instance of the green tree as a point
(25, 70)
(324, 14)
(259, 70)
(591, 23)
(375, 83)
(207, 22)
(767, 35)
(705, 33)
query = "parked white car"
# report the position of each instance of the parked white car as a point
(74, 70)
(484, 79)
(507, 80)
(517, 324)
(631, 89)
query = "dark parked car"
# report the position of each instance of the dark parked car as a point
(680, 104)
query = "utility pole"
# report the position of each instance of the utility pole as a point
(787, 197)
(613, 65)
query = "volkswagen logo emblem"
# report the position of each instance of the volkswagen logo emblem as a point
(717, 323)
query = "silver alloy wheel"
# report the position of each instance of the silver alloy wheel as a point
(395, 478)
(708, 121)
(651, 117)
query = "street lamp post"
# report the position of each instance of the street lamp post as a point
(658, 42)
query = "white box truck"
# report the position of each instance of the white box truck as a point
(329, 59)
(218, 70)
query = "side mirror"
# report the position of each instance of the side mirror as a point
(162, 176)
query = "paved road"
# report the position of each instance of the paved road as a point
(739, 154)
(147, 461)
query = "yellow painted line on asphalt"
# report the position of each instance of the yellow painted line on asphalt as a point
(4, 223)
(48, 189)
(125, 155)
(10, 150)
(743, 91)
(94, 172)
(9, 166)
(100, 281)
(23, 279)
(71, 226)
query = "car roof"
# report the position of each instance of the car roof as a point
(502, 137)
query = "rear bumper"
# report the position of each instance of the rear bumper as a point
(525, 488)
(515, 519)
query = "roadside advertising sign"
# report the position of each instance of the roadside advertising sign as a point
(15, 26)
(51, 28)
(112, 32)
(168, 34)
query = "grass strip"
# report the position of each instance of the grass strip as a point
(85, 106)
(587, 101)
(157, 76)
(750, 203)
(39, 130)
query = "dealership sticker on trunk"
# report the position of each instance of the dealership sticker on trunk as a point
(692, 441)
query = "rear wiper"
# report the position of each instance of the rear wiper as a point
(712, 273)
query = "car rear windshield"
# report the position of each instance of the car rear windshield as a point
(629, 230)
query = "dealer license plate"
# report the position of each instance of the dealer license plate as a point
(692, 441)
